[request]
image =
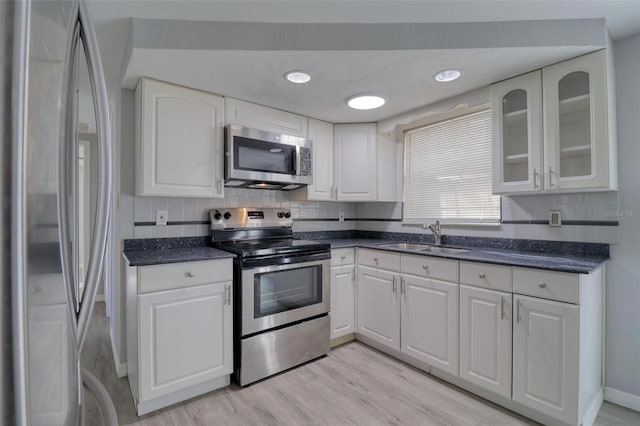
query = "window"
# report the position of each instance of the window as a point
(447, 172)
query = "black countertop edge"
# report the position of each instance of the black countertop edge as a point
(174, 255)
(562, 248)
(165, 243)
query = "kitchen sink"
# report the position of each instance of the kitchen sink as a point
(406, 246)
(423, 247)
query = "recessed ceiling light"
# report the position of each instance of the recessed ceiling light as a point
(366, 102)
(297, 77)
(447, 75)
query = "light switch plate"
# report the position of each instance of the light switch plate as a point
(161, 217)
(555, 218)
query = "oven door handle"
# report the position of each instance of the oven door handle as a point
(284, 259)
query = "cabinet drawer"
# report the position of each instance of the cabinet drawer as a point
(487, 276)
(379, 259)
(185, 274)
(549, 285)
(342, 256)
(430, 267)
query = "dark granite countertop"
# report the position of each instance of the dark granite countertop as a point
(579, 264)
(174, 255)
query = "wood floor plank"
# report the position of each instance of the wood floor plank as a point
(354, 385)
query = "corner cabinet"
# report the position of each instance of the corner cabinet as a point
(343, 278)
(178, 129)
(179, 331)
(554, 129)
(355, 164)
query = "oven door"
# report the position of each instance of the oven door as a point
(279, 294)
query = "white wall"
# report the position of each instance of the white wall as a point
(623, 272)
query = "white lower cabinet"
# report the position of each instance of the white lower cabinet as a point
(342, 301)
(185, 339)
(379, 306)
(545, 356)
(485, 338)
(429, 323)
(179, 340)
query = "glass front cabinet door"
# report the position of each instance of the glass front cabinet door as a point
(578, 147)
(516, 106)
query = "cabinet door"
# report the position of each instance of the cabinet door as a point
(265, 118)
(355, 161)
(545, 357)
(321, 135)
(378, 306)
(576, 123)
(179, 141)
(430, 321)
(342, 301)
(485, 338)
(185, 338)
(516, 108)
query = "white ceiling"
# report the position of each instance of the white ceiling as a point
(401, 70)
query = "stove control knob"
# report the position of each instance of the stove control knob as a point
(227, 215)
(287, 214)
(217, 215)
(280, 215)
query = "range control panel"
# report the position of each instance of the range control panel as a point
(250, 217)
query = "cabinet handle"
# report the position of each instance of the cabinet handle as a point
(335, 188)
(375, 259)
(535, 179)
(343, 257)
(353, 275)
(518, 311)
(402, 286)
(394, 287)
(219, 186)
(425, 267)
(550, 178)
(501, 307)
(542, 285)
(482, 276)
(190, 274)
(227, 294)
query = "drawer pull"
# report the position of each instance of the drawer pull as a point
(343, 257)
(502, 308)
(425, 267)
(482, 276)
(542, 285)
(227, 295)
(190, 274)
(375, 259)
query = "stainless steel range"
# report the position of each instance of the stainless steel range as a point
(281, 288)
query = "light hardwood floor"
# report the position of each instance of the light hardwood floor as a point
(353, 385)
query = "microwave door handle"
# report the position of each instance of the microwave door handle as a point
(297, 160)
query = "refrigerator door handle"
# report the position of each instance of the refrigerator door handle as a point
(103, 204)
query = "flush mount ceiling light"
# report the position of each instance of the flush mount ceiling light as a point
(297, 77)
(365, 102)
(447, 75)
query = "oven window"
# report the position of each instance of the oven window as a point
(257, 155)
(281, 291)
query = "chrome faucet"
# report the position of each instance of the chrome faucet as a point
(437, 233)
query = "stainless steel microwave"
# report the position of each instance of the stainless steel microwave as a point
(265, 160)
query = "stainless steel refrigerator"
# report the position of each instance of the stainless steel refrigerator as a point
(49, 279)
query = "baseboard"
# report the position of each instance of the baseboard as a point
(623, 399)
(121, 368)
(592, 412)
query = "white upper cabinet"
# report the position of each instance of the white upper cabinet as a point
(321, 135)
(264, 118)
(355, 161)
(516, 108)
(577, 154)
(554, 129)
(179, 141)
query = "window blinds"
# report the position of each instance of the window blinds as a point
(447, 172)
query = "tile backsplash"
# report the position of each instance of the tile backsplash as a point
(590, 216)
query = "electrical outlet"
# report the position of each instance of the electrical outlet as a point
(161, 217)
(555, 218)
(341, 217)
